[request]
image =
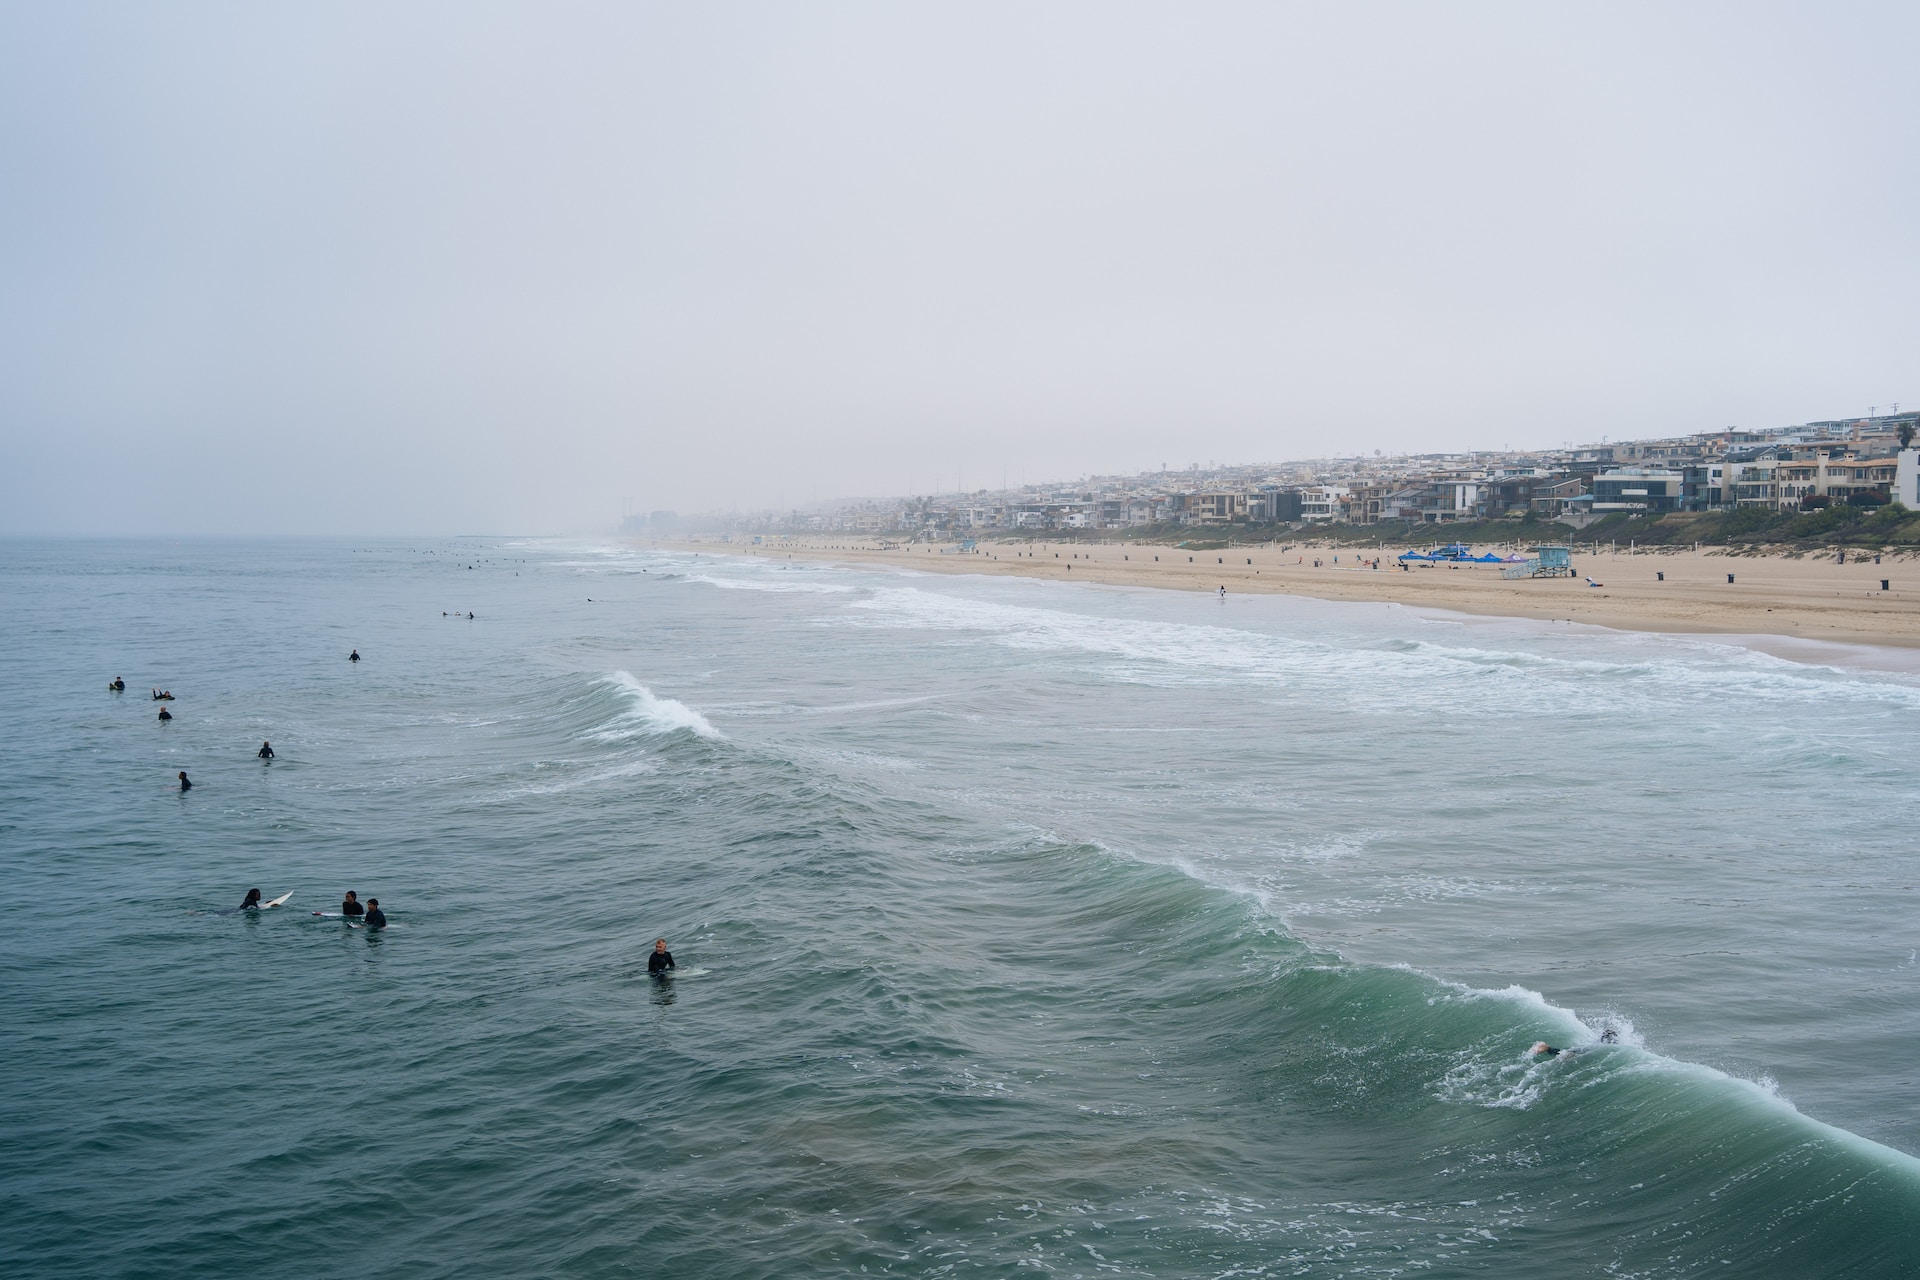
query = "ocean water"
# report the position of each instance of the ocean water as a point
(1024, 929)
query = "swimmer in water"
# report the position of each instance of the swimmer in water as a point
(253, 901)
(351, 905)
(185, 783)
(376, 918)
(165, 714)
(118, 685)
(266, 751)
(661, 960)
(1541, 1046)
(354, 656)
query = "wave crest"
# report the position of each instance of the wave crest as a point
(660, 715)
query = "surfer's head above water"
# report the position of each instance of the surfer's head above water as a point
(253, 899)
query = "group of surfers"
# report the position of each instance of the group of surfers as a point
(350, 908)
(119, 685)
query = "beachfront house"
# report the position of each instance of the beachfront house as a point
(1906, 480)
(1321, 502)
(1217, 507)
(1867, 481)
(1637, 489)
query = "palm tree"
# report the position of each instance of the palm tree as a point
(1906, 434)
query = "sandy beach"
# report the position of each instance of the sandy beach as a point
(1807, 598)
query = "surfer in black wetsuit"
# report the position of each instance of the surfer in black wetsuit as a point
(351, 905)
(354, 656)
(376, 918)
(1607, 1036)
(266, 751)
(661, 960)
(165, 714)
(186, 784)
(253, 901)
(117, 685)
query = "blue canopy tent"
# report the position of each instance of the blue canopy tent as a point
(1454, 553)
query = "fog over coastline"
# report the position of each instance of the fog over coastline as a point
(446, 267)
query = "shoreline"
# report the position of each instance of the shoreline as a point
(1778, 604)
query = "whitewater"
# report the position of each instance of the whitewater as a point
(1026, 928)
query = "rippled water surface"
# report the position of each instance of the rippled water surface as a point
(1023, 929)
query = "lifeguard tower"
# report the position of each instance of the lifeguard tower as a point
(1546, 562)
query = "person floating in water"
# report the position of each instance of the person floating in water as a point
(1607, 1036)
(161, 695)
(661, 960)
(165, 714)
(354, 656)
(253, 901)
(350, 906)
(266, 751)
(117, 685)
(186, 784)
(376, 918)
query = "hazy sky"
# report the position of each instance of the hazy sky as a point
(472, 267)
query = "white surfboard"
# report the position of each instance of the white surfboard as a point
(277, 902)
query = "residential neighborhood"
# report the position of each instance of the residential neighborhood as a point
(1856, 461)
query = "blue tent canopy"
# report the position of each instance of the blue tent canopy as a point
(1453, 553)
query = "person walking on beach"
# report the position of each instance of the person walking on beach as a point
(661, 960)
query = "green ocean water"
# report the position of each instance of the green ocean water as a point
(1024, 929)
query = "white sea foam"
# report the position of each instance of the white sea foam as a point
(791, 585)
(1612, 672)
(659, 715)
(625, 769)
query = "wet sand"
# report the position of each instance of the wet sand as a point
(1807, 598)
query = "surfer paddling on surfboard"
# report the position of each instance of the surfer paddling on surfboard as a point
(1607, 1036)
